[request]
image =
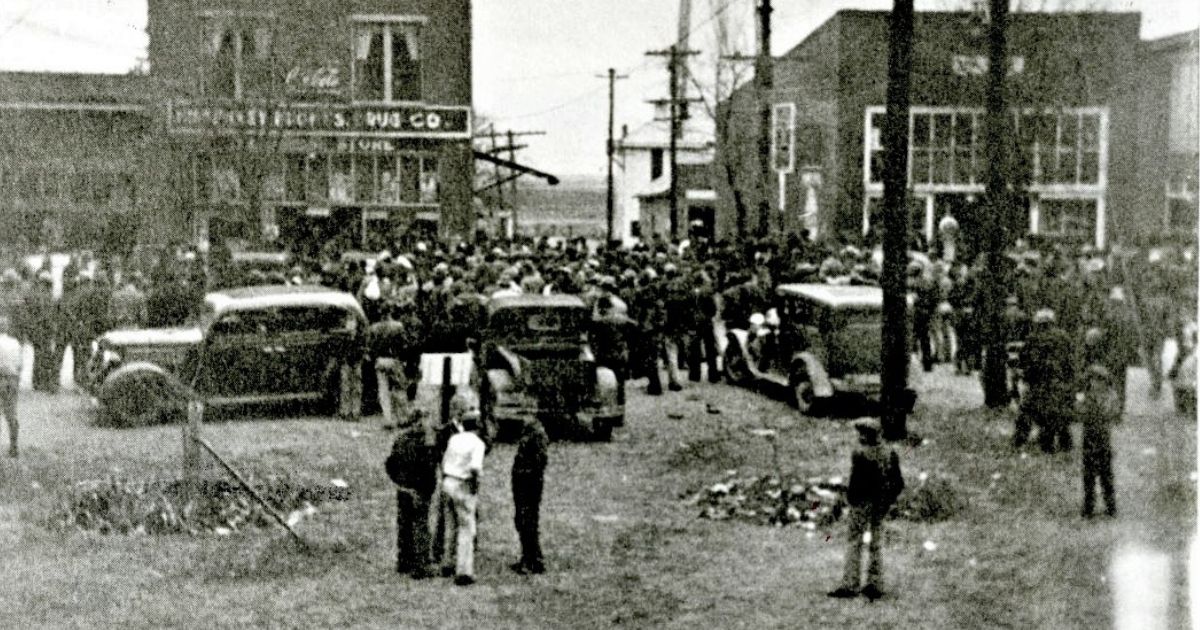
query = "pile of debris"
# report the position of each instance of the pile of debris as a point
(130, 507)
(812, 502)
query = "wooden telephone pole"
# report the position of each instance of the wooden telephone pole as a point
(764, 85)
(895, 225)
(610, 149)
(675, 56)
(999, 205)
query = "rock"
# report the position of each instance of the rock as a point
(929, 545)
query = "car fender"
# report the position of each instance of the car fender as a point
(822, 387)
(739, 342)
(141, 389)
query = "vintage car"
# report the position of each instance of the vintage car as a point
(534, 352)
(246, 345)
(820, 341)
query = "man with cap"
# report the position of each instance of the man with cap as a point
(1099, 409)
(875, 483)
(412, 466)
(1047, 365)
(461, 467)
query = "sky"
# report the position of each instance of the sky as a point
(538, 64)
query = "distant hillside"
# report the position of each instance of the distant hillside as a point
(574, 199)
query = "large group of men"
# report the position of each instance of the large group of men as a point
(1076, 318)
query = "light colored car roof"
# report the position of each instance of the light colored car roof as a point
(556, 300)
(837, 296)
(276, 295)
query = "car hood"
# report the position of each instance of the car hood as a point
(153, 337)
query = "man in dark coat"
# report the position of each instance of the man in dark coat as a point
(412, 466)
(1047, 361)
(528, 474)
(40, 324)
(875, 483)
(704, 340)
(1099, 410)
(610, 336)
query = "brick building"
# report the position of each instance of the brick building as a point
(1074, 120)
(1168, 139)
(305, 121)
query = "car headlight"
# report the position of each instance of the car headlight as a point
(109, 357)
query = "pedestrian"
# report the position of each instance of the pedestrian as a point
(1047, 366)
(610, 334)
(1099, 410)
(40, 326)
(462, 467)
(412, 466)
(528, 476)
(875, 483)
(390, 345)
(10, 375)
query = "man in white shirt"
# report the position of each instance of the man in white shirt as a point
(10, 370)
(462, 465)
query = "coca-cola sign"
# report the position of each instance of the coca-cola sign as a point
(314, 81)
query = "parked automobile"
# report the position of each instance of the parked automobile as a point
(818, 341)
(246, 345)
(535, 355)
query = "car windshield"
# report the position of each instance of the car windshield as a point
(534, 323)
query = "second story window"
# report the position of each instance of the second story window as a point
(387, 60)
(237, 55)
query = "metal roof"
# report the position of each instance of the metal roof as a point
(276, 295)
(557, 300)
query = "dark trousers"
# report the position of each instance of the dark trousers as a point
(1054, 425)
(47, 359)
(648, 361)
(8, 408)
(412, 532)
(1097, 466)
(527, 501)
(921, 333)
(703, 345)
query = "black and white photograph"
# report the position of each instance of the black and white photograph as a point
(573, 314)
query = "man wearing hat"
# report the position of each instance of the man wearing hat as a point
(1099, 410)
(412, 466)
(1047, 365)
(875, 483)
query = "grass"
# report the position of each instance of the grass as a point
(623, 547)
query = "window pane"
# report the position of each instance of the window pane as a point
(1065, 172)
(429, 180)
(942, 130)
(920, 130)
(920, 167)
(964, 131)
(221, 78)
(1089, 168)
(341, 186)
(406, 63)
(316, 179)
(941, 167)
(364, 178)
(389, 183)
(1089, 132)
(876, 173)
(963, 169)
(410, 179)
(1181, 213)
(1069, 131)
(368, 63)
(1069, 218)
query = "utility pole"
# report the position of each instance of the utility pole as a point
(674, 55)
(894, 353)
(764, 82)
(511, 148)
(995, 393)
(610, 149)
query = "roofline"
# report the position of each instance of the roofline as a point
(1178, 40)
(73, 106)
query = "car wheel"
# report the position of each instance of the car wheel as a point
(736, 368)
(803, 395)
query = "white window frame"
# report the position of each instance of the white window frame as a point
(386, 21)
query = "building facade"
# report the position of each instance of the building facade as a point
(1073, 124)
(303, 122)
(1168, 139)
(317, 121)
(642, 183)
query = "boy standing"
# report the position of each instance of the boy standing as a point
(1099, 410)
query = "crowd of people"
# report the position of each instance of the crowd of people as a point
(1074, 319)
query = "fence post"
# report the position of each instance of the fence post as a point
(191, 449)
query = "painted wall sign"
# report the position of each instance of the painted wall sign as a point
(318, 119)
(311, 80)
